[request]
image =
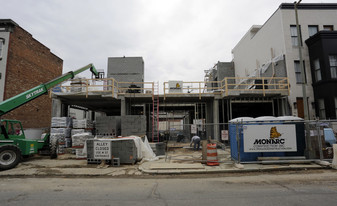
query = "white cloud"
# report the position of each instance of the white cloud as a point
(178, 39)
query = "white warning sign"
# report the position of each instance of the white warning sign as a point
(102, 150)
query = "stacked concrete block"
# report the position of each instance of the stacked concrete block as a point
(82, 130)
(108, 126)
(77, 131)
(65, 131)
(133, 125)
(125, 150)
(126, 69)
(78, 140)
(78, 85)
(82, 123)
(61, 129)
(61, 122)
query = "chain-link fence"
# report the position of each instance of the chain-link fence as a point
(251, 140)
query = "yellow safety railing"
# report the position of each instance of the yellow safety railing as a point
(227, 86)
(108, 86)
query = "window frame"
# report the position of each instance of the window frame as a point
(293, 36)
(299, 72)
(321, 109)
(328, 27)
(333, 68)
(312, 26)
(317, 70)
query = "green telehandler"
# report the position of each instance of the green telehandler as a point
(13, 143)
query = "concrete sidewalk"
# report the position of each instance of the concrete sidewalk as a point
(175, 162)
(187, 161)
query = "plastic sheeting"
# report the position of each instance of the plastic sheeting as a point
(65, 131)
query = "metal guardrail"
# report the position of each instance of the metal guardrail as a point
(227, 86)
(231, 85)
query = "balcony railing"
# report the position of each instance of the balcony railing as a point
(229, 86)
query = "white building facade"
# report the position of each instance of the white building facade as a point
(277, 39)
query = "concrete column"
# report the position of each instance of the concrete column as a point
(123, 106)
(216, 119)
(56, 107)
(144, 109)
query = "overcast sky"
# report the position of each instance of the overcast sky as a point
(178, 39)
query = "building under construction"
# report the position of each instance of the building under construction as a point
(185, 108)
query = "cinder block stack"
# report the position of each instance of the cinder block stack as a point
(82, 130)
(108, 126)
(78, 141)
(124, 149)
(83, 124)
(133, 125)
(61, 130)
(78, 85)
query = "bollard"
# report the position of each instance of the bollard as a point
(334, 161)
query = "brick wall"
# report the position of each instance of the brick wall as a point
(29, 64)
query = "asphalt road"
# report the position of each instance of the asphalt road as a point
(256, 189)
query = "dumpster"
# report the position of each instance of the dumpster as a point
(300, 134)
(266, 137)
(236, 139)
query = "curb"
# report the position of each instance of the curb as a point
(167, 172)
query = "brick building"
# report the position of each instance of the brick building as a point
(24, 64)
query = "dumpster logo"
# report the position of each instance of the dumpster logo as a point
(270, 138)
(274, 133)
(274, 138)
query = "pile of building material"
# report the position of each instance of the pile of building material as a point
(61, 130)
(133, 125)
(108, 126)
(123, 149)
(127, 150)
(82, 130)
(83, 124)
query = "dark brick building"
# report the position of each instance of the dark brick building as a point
(24, 64)
(323, 60)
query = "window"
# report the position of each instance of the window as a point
(333, 65)
(312, 29)
(1, 47)
(328, 27)
(317, 68)
(321, 109)
(293, 33)
(298, 73)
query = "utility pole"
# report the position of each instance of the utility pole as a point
(304, 83)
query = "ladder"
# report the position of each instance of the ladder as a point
(155, 112)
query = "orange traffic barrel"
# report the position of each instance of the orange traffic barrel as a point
(212, 155)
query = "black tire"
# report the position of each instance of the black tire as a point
(54, 147)
(10, 156)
